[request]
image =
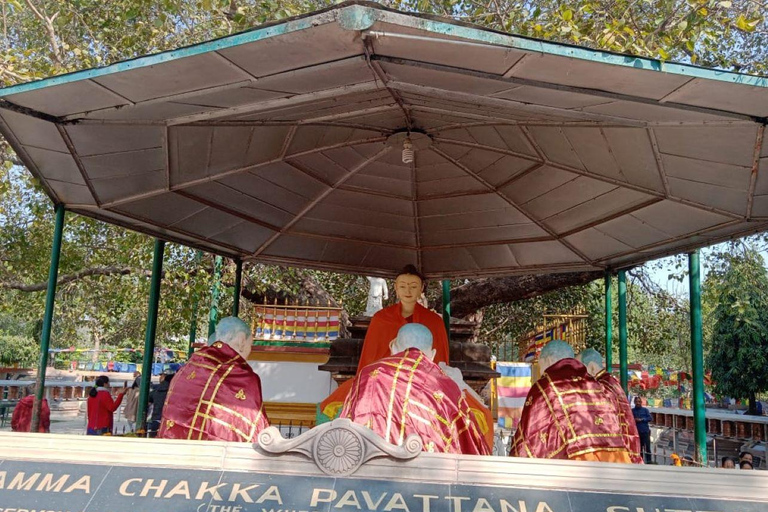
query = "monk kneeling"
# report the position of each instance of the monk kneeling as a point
(568, 414)
(592, 359)
(216, 396)
(407, 393)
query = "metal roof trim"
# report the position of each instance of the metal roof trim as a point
(359, 15)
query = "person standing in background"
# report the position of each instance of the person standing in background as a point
(132, 404)
(21, 420)
(643, 420)
(101, 407)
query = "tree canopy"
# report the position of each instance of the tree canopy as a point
(738, 357)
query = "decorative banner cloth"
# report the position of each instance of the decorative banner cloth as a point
(512, 388)
(299, 324)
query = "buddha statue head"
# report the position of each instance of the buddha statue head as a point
(409, 285)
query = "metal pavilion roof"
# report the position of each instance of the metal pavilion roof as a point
(283, 144)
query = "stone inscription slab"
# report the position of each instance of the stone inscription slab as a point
(61, 487)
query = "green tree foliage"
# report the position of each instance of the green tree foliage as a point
(730, 34)
(738, 357)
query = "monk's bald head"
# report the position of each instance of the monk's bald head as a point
(553, 352)
(413, 336)
(235, 333)
(592, 359)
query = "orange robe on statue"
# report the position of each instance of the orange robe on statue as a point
(216, 396)
(383, 329)
(626, 418)
(569, 415)
(408, 394)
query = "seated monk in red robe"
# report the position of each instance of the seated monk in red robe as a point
(568, 414)
(407, 393)
(216, 396)
(383, 328)
(592, 359)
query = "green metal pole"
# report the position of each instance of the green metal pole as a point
(697, 356)
(195, 306)
(50, 301)
(623, 330)
(447, 307)
(213, 315)
(149, 335)
(608, 323)
(238, 284)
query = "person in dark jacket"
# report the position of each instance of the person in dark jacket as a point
(157, 399)
(101, 407)
(21, 421)
(643, 420)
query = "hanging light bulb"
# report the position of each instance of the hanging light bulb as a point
(407, 151)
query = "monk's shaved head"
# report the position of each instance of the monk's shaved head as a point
(235, 333)
(553, 352)
(592, 359)
(413, 336)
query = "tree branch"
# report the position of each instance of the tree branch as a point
(468, 298)
(68, 278)
(51, 31)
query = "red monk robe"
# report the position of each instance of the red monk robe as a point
(408, 394)
(626, 419)
(381, 331)
(569, 415)
(216, 396)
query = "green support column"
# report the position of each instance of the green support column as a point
(623, 330)
(149, 334)
(238, 283)
(195, 306)
(447, 307)
(50, 301)
(697, 356)
(213, 316)
(608, 323)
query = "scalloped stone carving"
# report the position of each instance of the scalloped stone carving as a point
(338, 448)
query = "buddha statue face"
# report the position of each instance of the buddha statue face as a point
(408, 288)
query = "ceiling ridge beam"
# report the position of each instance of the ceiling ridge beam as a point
(415, 205)
(265, 106)
(659, 160)
(298, 123)
(613, 216)
(465, 245)
(308, 208)
(227, 210)
(78, 162)
(380, 74)
(522, 108)
(562, 87)
(512, 203)
(362, 190)
(755, 168)
(332, 238)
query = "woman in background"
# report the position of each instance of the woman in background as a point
(131, 405)
(101, 407)
(21, 420)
